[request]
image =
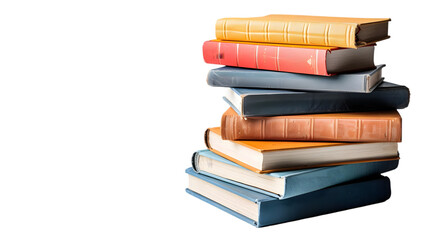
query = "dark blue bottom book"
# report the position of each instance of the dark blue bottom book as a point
(262, 210)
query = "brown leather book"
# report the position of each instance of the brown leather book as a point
(383, 126)
(272, 156)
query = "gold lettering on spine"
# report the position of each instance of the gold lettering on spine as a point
(266, 34)
(317, 61)
(307, 34)
(350, 35)
(327, 29)
(224, 27)
(284, 39)
(238, 45)
(218, 52)
(278, 59)
(304, 34)
(287, 31)
(256, 57)
(248, 30)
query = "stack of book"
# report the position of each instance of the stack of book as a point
(311, 126)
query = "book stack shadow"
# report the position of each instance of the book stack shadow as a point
(311, 124)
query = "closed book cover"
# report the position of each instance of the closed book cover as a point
(270, 102)
(376, 126)
(262, 210)
(359, 82)
(289, 58)
(305, 30)
(285, 184)
(275, 156)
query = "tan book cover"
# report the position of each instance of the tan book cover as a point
(378, 126)
(306, 30)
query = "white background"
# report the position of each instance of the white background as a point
(102, 104)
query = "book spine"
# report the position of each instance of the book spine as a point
(315, 180)
(266, 57)
(228, 129)
(206, 138)
(194, 161)
(325, 102)
(251, 78)
(306, 33)
(234, 127)
(333, 199)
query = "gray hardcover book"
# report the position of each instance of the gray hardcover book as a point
(251, 102)
(359, 82)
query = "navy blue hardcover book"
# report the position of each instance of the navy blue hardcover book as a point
(262, 210)
(362, 82)
(249, 102)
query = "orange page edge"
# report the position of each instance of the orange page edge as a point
(217, 130)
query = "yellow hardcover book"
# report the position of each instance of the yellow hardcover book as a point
(304, 30)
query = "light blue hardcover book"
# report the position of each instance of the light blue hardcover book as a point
(262, 210)
(362, 82)
(285, 184)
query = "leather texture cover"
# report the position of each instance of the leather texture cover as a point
(268, 102)
(285, 58)
(295, 29)
(297, 182)
(274, 211)
(376, 126)
(274, 57)
(262, 146)
(358, 82)
(265, 146)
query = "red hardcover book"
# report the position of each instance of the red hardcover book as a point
(289, 58)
